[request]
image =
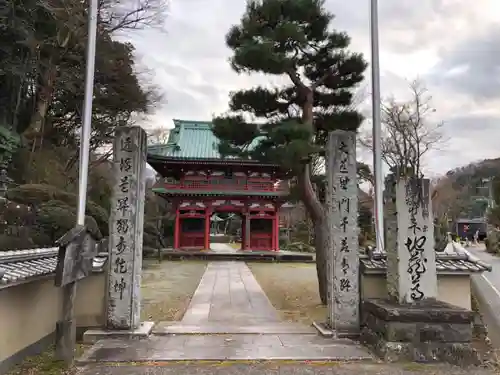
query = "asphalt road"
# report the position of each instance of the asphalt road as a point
(486, 287)
(492, 278)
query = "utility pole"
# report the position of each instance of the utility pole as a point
(377, 128)
(66, 340)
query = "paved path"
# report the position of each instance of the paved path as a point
(228, 293)
(493, 277)
(221, 248)
(487, 288)
(229, 318)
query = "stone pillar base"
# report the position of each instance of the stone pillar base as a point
(325, 330)
(143, 331)
(428, 331)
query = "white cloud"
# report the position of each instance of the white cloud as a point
(450, 44)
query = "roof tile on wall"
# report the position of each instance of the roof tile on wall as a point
(22, 265)
(445, 263)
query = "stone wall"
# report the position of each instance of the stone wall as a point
(426, 331)
(452, 289)
(29, 311)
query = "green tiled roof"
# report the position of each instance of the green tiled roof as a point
(189, 140)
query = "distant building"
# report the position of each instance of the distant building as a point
(465, 228)
(199, 183)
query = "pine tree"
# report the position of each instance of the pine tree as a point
(288, 125)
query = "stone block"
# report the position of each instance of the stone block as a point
(443, 332)
(428, 311)
(430, 331)
(141, 332)
(419, 331)
(459, 353)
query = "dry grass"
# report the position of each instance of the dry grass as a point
(292, 288)
(167, 288)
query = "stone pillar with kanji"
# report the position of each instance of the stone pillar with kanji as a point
(342, 212)
(411, 270)
(126, 225)
(412, 323)
(390, 234)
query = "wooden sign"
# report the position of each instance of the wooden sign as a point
(77, 250)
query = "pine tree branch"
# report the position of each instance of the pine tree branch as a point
(320, 81)
(294, 76)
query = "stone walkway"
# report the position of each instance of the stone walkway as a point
(229, 300)
(222, 248)
(229, 318)
(228, 293)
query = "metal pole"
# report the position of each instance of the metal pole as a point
(66, 328)
(377, 128)
(87, 113)
(491, 196)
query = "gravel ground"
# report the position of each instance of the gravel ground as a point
(292, 288)
(45, 364)
(167, 288)
(284, 369)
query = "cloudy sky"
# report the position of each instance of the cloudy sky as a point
(452, 46)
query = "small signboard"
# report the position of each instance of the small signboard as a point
(77, 250)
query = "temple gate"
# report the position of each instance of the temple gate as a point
(199, 183)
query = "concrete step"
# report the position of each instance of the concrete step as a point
(179, 328)
(266, 347)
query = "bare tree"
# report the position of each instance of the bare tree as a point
(444, 196)
(158, 136)
(121, 15)
(408, 132)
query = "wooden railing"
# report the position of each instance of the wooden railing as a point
(281, 187)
